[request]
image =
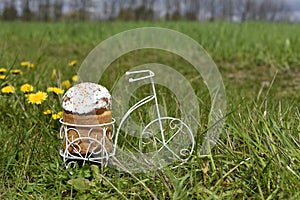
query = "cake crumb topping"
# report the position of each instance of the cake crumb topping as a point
(86, 97)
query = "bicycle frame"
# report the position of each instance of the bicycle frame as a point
(159, 119)
(144, 100)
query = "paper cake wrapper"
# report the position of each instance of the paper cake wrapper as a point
(86, 146)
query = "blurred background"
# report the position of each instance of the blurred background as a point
(104, 10)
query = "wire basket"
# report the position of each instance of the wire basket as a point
(93, 143)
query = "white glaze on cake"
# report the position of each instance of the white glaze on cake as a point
(86, 97)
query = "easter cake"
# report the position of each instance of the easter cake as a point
(87, 104)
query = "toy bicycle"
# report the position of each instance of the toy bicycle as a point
(164, 138)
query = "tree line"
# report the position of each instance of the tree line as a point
(82, 10)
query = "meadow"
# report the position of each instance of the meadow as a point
(256, 157)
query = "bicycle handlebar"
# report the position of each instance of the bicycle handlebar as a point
(151, 74)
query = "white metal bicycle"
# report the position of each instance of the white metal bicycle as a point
(164, 138)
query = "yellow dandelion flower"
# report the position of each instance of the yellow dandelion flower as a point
(37, 98)
(56, 90)
(53, 75)
(8, 89)
(66, 84)
(2, 70)
(27, 64)
(57, 115)
(16, 71)
(47, 112)
(75, 78)
(2, 77)
(72, 63)
(26, 88)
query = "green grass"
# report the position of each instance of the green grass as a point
(257, 156)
